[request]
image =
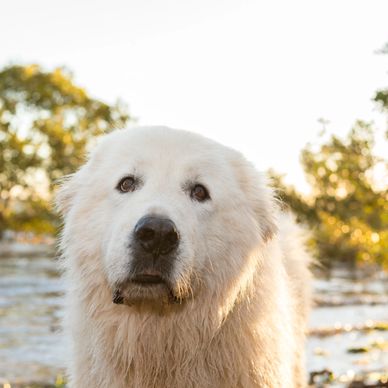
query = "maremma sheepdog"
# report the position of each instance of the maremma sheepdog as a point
(181, 271)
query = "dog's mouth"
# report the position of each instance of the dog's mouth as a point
(148, 280)
(142, 287)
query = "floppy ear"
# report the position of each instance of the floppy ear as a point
(260, 197)
(65, 194)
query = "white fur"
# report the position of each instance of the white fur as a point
(241, 272)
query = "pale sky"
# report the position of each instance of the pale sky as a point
(253, 74)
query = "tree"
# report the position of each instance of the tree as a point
(347, 210)
(46, 125)
(381, 96)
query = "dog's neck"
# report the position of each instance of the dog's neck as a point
(167, 350)
(219, 339)
(170, 349)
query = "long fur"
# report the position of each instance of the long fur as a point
(243, 322)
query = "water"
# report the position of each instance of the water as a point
(31, 346)
(33, 349)
(349, 305)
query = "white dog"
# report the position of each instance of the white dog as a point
(181, 270)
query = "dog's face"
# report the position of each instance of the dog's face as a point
(168, 214)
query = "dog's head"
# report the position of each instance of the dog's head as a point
(168, 214)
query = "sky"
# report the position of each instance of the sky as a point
(255, 75)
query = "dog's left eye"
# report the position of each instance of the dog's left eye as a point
(127, 184)
(199, 193)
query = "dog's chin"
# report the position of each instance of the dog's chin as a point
(144, 290)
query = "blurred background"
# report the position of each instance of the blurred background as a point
(300, 87)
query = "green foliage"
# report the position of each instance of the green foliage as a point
(347, 211)
(46, 124)
(381, 96)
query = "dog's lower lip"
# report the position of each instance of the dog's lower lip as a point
(147, 279)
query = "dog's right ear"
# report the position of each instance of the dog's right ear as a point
(260, 196)
(64, 197)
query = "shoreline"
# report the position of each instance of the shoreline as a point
(10, 249)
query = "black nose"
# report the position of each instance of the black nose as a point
(156, 235)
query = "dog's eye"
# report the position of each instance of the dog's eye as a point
(127, 184)
(199, 193)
